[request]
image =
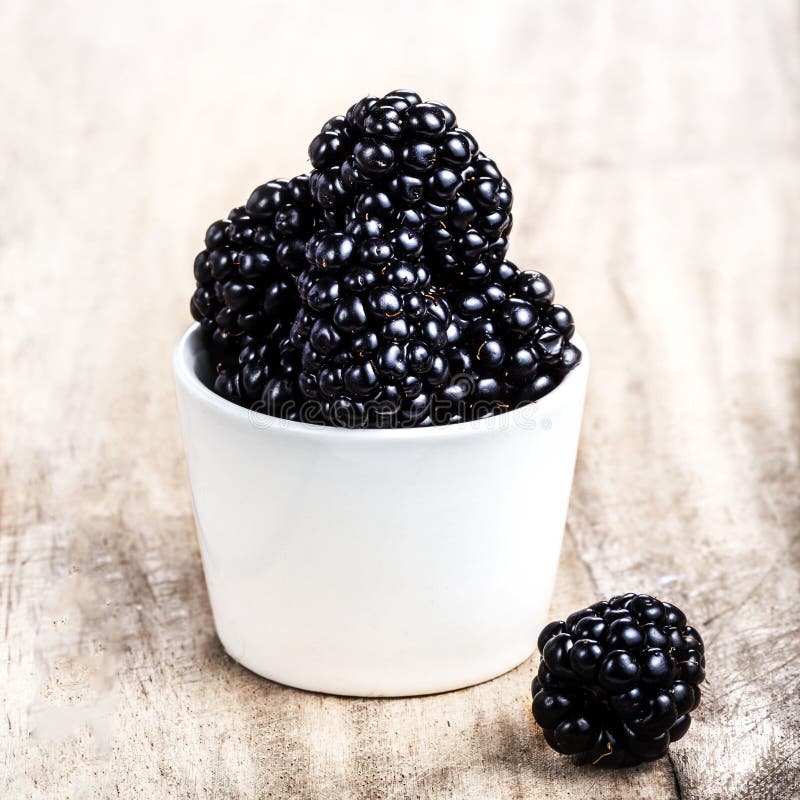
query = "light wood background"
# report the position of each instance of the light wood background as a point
(653, 150)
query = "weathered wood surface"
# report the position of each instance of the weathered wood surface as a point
(653, 148)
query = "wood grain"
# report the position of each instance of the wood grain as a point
(653, 149)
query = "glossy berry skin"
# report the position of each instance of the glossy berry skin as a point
(403, 185)
(506, 328)
(425, 167)
(262, 376)
(618, 680)
(375, 291)
(245, 297)
(371, 330)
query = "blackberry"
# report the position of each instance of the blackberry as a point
(246, 273)
(508, 340)
(618, 680)
(410, 162)
(262, 375)
(410, 195)
(371, 330)
(375, 291)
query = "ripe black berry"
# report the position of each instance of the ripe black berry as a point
(245, 283)
(262, 375)
(506, 328)
(618, 680)
(408, 163)
(371, 350)
(375, 290)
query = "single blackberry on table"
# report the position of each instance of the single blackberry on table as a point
(246, 273)
(424, 172)
(508, 339)
(618, 680)
(371, 329)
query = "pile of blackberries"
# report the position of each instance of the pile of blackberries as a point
(375, 292)
(618, 680)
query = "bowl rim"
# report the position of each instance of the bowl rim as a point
(186, 376)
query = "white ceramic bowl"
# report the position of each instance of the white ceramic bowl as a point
(378, 562)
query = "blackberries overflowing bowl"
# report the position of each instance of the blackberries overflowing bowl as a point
(356, 539)
(375, 291)
(618, 680)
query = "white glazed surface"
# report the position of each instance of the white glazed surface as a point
(378, 563)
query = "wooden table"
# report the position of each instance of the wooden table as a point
(653, 148)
